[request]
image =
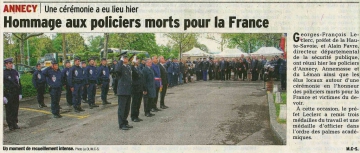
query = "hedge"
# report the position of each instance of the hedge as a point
(28, 90)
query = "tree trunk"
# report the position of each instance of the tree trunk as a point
(22, 42)
(106, 40)
(64, 47)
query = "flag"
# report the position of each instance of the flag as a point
(283, 44)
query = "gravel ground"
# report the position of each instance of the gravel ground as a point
(201, 113)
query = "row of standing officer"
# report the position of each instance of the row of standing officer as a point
(74, 79)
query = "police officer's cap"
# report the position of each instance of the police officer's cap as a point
(83, 62)
(103, 59)
(67, 61)
(53, 62)
(276, 56)
(76, 58)
(8, 60)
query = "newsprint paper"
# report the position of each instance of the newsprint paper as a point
(236, 76)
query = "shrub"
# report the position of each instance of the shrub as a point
(28, 90)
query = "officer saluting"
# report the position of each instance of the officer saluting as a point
(53, 78)
(39, 83)
(75, 81)
(12, 94)
(124, 91)
(104, 80)
(91, 76)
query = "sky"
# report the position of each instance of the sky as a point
(162, 40)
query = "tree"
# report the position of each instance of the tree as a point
(182, 41)
(96, 43)
(74, 43)
(250, 42)
(22, 37)
(106, 42)
(222, 41)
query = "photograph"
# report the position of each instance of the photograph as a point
(144, 88)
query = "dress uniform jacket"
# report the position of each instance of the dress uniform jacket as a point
(125, 78)
(149, 85)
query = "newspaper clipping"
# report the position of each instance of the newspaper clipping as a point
(180, 76)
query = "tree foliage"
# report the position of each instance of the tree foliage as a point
(250, 42)
(182, 41)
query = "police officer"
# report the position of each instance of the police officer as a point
(114, 77)
(53, 79)
(170, 71)
(137, 90)
(176, 72)
(104, 80)
(282, 72)
(91, 81)
(12, 94)
(39, 83)
(84, 91)
(65, 75)
(124, 91)
(205, 68)
(76, 81)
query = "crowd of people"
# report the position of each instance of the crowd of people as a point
(140, 79)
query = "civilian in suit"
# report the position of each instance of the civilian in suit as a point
(124, 90)
(137, 90)
(164, 82)
(157, 77)
(282, 72)
(222, 66)
(149, 90)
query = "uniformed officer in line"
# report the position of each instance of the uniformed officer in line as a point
(149, 87)
(170, 71)
(12, 94)
(91, 81)
(282, 72)
(158, 85)
(137, 90)
(176, 72)
(114, 77)
(76, 81)
(39, 82)
(164, 81)
(84, 91)
(65, 75)
(53, 79)
(205, 68)
(211, 68)
(104, 80)
(124, 91)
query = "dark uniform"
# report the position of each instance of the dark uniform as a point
(76, 80)
(176, 73)
(103, 76)
(211, 70)
(53, 79)
(124, 93)
(197, 70)
(222, 67)
(205, 69)
(91, 80)
(65, 75)
(39, 83)
(137, 92)
(230, 66)
(12, 95)
(164, 82)
(84, 91)
(282, 72)
(170, 71)
(114, 77)
(149, 87)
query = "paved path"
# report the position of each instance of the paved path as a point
(201, 113)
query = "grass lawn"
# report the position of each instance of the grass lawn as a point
(277, 106)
